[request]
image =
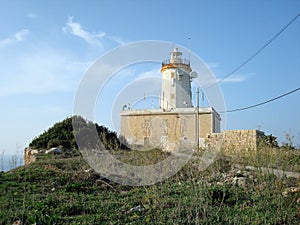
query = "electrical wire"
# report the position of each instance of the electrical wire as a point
(257, 52)
(262, 103)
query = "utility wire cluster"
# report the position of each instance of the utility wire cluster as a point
(252, 57)
(262, 103)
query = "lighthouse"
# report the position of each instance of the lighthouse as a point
(176, 123)
(176, 82)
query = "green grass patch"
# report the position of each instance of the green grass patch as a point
(61, 190)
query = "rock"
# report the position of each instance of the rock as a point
(290, 191)
(240, 181)
(18, 222)
(238, 172)
(87, 170)
(54, 150)
(278, 173)
(34, 151)
(136, 209)
(29, 155)
(220, 183)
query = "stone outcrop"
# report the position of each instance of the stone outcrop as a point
(54, 151)
(30, 155)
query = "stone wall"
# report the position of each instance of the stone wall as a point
(172, 131)
(235, 141)
(167, 129)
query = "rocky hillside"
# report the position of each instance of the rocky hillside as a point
(63, 189)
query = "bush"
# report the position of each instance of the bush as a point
(62, 134)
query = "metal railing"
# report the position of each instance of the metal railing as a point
(182, 61)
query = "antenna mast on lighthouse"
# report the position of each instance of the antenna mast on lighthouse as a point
(189, 48)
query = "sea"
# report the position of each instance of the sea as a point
(10, 161)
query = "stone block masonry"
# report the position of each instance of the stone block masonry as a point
(235, 141)
(168, 129)
(172, 129)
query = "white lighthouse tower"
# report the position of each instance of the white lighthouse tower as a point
(176, 124)
(176, 82)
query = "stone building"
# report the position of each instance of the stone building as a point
(176, 122)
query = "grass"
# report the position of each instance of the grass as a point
(265, 156)
(62, 190)
(141, 157)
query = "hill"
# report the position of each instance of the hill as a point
(62, 134)
(63, 189)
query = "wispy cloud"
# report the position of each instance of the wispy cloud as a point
(209, 82)
(118, 40)
(150, 73)
(213, 65)
(234, 79)
(215, 68)
(45, 70)
(31, 15)
(20, 35)
(75, 28)
(17, 37)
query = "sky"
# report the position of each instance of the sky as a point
(46, 47)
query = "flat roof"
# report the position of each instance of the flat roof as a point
(167, 112)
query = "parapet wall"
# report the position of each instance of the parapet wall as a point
(235, 141)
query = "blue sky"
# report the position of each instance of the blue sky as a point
(47, 46)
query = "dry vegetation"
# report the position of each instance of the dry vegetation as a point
(63, 190)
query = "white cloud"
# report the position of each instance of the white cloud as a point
(208, 83)
(31, 15)
(150, 73)
(118, 40)
(76, 29)
(17, 37)
(213, 65)
(234, 79)
(20, 35)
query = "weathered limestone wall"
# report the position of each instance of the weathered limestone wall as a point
(172, 129)
(167, 130)
(235, 141)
